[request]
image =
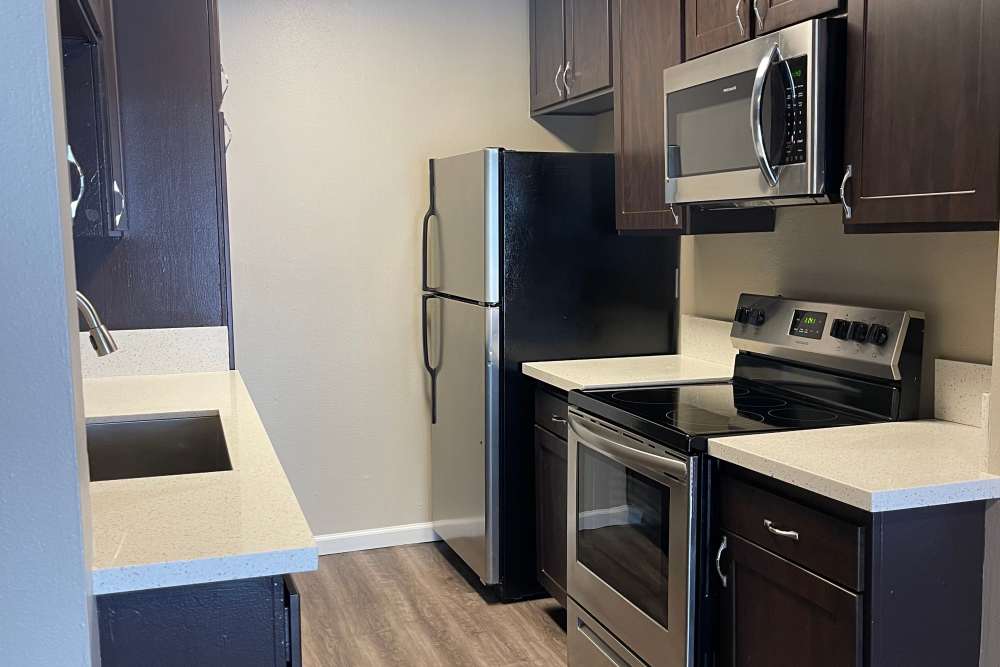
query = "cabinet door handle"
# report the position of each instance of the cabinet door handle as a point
(848, 209)
(121, 210)
(81, 179)
(558, 420)
(760, 19)
(565, 76)
(739, 18)
(559, 90)
(790, 534)
(718, 561)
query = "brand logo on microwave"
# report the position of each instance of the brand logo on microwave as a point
(729, 89)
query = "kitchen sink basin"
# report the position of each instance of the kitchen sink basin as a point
(156, 447)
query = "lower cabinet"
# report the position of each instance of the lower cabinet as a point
(803, 580)
(550, 493)
(242, 623)
(781, 615)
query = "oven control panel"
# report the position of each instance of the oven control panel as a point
(867, 341)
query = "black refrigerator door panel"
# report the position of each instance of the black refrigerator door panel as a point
(572, 288)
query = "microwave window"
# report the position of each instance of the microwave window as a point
(715, 138)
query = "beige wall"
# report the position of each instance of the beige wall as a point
(951, 277)
(336, 107)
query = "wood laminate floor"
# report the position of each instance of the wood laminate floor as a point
(412, 606)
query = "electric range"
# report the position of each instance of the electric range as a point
(640, 496)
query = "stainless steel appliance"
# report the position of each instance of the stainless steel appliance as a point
(521, 262)
(640, 570)
(756, 124)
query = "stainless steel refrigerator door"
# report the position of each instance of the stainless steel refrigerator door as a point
(464, 341)
(463, 234)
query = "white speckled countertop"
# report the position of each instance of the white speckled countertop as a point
(187, 529)
(626, 371)
(876, 467)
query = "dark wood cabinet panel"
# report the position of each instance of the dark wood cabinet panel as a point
(550, 512)
(715, 24)
(588, 47)
(647, 40)
(771, 15)
(548, 52)
(170, 268)
(922, 135)
(780, 615)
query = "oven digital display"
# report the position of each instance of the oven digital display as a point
(808, 324)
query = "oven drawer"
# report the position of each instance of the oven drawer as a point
(588, 644)
(550, 412)
(828, 546)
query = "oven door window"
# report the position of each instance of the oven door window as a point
(708, 126)
(622, 531)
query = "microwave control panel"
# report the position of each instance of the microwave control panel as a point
(794, 149)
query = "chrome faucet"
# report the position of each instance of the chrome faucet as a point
(100, 337)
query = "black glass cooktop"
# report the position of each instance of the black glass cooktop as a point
(688, 412)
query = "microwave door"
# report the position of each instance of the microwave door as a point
(772, 98)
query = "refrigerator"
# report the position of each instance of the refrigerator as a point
(522, 262)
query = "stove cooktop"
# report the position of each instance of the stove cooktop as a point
(684, 416)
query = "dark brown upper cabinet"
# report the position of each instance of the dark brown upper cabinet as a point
(647, 40)
(715, 24)
(922, 131)
(771, 15)
(571, 56)
(93, 124)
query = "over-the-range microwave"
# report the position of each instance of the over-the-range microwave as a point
(759, 123)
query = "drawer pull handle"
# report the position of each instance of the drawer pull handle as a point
(790, 534)
(558, 420)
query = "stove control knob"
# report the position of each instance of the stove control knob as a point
(840, 329)
(879, 335)
(757, 317)
(859, 332)
(742, 315)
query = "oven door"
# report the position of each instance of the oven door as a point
(747, 125)
(630, 535)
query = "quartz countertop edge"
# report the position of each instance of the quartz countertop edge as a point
(874, 467)
(179, 530)
(641, 371)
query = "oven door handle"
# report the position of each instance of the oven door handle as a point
(756, 107)
(608, 444)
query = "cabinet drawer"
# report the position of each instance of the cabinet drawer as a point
(828, 546)
(550, 412)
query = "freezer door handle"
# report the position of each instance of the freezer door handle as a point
(426, 229)
(431, 368)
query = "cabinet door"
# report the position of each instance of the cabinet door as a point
(715, 24)
(117, 221)
(86, 136)
(923, 140)
(550, 512)
(647, 41)
(775, 613)
(588, 46)
(548, 54)
(771, 15)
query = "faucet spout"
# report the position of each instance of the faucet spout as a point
(104, 344)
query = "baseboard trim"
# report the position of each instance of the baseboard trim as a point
(376, 538)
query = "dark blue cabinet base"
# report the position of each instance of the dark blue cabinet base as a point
(243, 623)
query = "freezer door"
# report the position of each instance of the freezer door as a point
(465, 437)
(462, 228)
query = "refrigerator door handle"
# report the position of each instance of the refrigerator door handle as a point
(426, 229)
(431, 369)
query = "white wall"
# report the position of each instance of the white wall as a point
(336, 107)
(46, 606)
(949, 276)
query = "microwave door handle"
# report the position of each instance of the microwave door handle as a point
(756, 106)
